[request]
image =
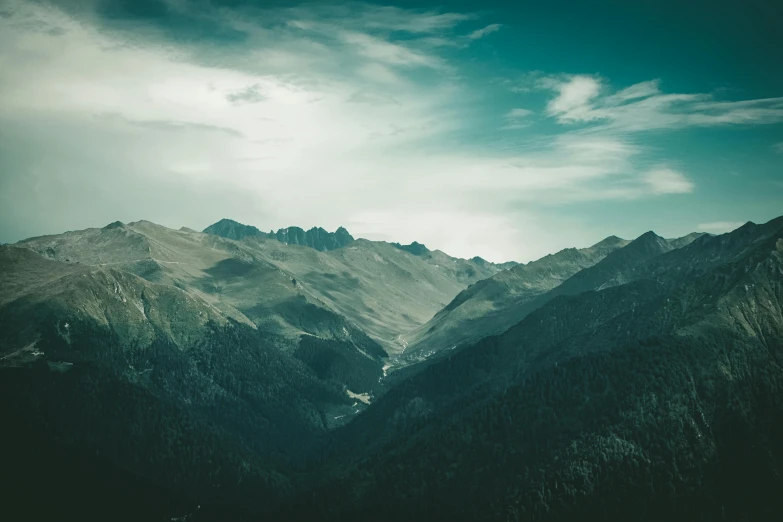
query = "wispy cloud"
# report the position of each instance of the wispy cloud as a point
(634, 92)
(250, 94)
(719, 227)
(518, 113)
(667, 181)
(484, 31)
(381, 50)
(372, 17)
(778, 147)
(574, 99)
(168, 125)
(516, 118)
(585, 99)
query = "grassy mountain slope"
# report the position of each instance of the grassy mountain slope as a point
(241, 283)
(384, 289)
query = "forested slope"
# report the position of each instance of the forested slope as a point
(659, 399)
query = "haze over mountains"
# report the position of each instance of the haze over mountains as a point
(235, 374)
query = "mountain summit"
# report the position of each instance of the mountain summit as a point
(317, 237)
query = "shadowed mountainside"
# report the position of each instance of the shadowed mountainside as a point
(492, 305)
(657, 399)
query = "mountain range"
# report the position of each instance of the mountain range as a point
(233, 374)
(316, 237)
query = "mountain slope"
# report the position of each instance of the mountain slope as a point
(658, 399)
(384, 288)
(569, 272)
(135, 339)
(486, 307)
(363, 288)
(465, 271)
(162, 387)
(240, 282)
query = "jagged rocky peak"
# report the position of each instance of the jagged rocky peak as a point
(502, 266)
(649, 240)
(116, 224)
(415, 248)
(649, 236)
(317, 237)
(343, 235)
(231, 229)
(611, 241)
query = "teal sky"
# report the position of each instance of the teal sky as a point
(502, 129)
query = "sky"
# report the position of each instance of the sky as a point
(507, 130)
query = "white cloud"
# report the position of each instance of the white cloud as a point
(381, 18)
(719, 227)
(667, 181)
(518, 113)
(516, 118)
(778, 147)
(381, 50)
(574, 97)
(484, 31)
(635, 92)
(643, 106)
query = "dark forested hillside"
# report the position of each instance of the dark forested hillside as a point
(227, 412)
(660, 399)
(163, 391)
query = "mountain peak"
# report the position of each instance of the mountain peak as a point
(317, 237)
(116, 224)
(415, 248)
(610, 241)
(679, 242)
(231, 229)
(649, 238)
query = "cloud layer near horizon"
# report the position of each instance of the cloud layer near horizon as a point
(317, 115)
